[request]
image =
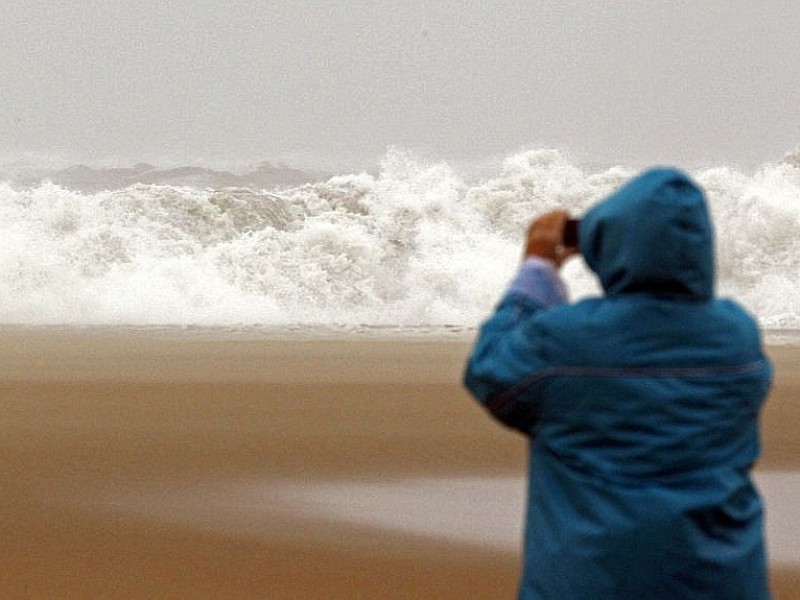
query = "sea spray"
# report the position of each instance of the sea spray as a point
(757, 222)
(415, 244)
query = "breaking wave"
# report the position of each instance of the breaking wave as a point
(414, 244)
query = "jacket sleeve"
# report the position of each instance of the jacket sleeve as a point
(505, 353)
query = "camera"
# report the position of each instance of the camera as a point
(570, 237)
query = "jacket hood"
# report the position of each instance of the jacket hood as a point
(653, 235)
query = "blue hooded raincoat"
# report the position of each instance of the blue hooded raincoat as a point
(641, 407)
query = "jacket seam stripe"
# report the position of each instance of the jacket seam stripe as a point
(660, 372)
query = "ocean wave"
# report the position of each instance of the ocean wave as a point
(414, 244)
(264, 175)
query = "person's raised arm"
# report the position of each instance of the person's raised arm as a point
(505, 353)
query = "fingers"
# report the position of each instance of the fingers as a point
(563, 253)
(545, 238)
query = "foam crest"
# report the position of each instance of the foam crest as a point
(417, 244)
(757, 222)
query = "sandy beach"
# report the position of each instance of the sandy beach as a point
(212, 464)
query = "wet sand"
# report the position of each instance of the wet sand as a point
(123, 454)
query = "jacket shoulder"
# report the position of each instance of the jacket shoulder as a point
(641, 330)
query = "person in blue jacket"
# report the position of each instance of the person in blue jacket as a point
(642, 407)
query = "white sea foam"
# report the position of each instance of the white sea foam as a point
(417, 244)
(481, 511)
(489, 511)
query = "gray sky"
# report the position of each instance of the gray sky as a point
(685, 82)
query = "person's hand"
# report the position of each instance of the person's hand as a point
(545, 238)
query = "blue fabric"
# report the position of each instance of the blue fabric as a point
(641, 408)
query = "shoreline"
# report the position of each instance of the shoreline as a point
(312, 331)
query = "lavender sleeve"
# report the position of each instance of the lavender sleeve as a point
(538, 280)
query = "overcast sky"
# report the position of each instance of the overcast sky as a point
(684, 82)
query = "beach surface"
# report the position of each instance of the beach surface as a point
(148, 463)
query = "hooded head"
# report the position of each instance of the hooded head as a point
(653, 235)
